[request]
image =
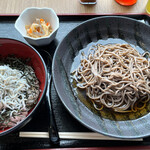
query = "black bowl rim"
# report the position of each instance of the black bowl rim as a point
(59, 93)
(22, 123)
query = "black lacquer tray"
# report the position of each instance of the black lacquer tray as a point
(65, 122)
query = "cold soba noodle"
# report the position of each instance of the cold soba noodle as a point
(19, 91)
(115, 76)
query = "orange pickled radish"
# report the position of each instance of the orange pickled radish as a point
(41, 20)
(30, 30)
(47, 23)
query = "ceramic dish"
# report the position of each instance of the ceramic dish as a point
(104, 30)
(28, 16)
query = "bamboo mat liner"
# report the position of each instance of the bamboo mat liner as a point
(71, 6)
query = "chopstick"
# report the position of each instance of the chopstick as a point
(52, 127)
(73, 135)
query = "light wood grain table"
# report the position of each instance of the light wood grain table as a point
(72, 7)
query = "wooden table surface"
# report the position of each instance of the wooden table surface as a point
(63, 7)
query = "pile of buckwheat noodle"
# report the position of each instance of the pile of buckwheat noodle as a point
(115, 76)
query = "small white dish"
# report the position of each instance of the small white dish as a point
(29, 15)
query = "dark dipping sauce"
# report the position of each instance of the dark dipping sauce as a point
(106, 113)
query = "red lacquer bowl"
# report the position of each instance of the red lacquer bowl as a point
(22, 50)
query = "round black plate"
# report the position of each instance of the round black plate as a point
(109, 29)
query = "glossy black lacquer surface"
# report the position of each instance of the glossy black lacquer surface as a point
(65, 122)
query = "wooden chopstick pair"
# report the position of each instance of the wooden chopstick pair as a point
(73, 135)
